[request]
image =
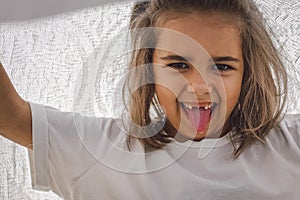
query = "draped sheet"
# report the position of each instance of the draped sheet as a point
(45, 59)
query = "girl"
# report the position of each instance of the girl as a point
(210, 72)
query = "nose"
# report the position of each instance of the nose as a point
(198, 85)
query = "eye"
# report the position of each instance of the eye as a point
(179, 66)
(222, 67)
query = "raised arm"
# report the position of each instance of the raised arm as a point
(15, 115)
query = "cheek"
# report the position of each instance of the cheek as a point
(232, 90)
(168, 101)
(232, 96)
(169, 81)
(165, 95)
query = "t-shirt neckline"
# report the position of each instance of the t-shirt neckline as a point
(206, 142)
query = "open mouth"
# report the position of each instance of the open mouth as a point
(198, 115)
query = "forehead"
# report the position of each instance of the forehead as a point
(214, 18)
(214, 33)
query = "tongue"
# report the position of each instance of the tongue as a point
(199, 118)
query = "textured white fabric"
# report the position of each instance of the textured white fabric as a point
(85, 158)
(43, 58)
(28, 9)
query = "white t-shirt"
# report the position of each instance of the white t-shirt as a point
(86, 158)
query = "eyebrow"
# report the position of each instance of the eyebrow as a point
(225, 58)
(214, 59)
(175, 57)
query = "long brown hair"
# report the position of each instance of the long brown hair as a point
(264, 85)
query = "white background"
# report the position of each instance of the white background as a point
(44, 57)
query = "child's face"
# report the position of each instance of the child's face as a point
(198, 69)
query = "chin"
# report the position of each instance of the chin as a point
(199, 137)
(182, 136)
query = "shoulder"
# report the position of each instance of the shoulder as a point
(69, 129)
(290, 125)
(67, 144)
(291, 121)
(287, 132)
(67, 120)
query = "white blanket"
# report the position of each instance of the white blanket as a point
(44, 57)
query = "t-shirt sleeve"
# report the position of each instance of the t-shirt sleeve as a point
(293, 125)
(59, 157)
(290, 126)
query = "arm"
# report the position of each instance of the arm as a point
(15, 114)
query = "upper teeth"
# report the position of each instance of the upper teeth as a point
(206, 107)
